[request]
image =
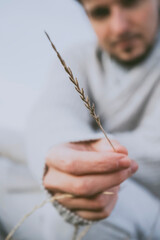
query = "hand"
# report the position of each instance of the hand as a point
(86, 170)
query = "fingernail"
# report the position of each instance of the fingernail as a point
(134, 167)
(125, 162)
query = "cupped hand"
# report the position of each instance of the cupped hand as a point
(86, 170)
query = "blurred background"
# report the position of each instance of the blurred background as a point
(25, 62)
(25, 53)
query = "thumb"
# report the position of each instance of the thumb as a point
(103, 145)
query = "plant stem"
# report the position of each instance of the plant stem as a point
(91, 107)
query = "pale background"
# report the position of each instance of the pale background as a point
(25, 63)
(26, 57)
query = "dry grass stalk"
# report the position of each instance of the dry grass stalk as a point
(76, 228)
(85, 99)
(50, 200)
(82, 234)
(91, 107)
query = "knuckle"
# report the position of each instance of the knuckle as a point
(81, 188)
(69, 166)
(122, 176)
(101, 202)
(106, 213)
(115, 165)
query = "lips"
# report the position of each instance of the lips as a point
(125, 41)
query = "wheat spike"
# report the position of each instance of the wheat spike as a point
(86, 101)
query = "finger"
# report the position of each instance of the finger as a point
(77, 162)
(97, 215)
(87, 185)
(103, 145)
(96, 203)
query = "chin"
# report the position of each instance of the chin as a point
(131, 57)
(128, 58)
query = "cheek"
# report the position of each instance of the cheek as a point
(152, 20)
(146, 20)
(101, 30)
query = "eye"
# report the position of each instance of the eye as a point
(130, 3)
(99, 13)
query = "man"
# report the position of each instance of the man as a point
(121, 75)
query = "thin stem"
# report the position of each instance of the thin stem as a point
(102, 129)
(33, 210)
(84, 232)
(76, 228)
(89, 106)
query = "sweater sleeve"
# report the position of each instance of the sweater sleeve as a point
(60, 115)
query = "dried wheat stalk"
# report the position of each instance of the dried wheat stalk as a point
(91, 107)
(85, 99)
(50, 200)
(76, 228)
(83, 233)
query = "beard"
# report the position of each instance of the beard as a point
(135, 61)
(132, 62)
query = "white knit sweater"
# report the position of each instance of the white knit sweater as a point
(126, 100)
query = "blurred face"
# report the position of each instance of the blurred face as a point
(126, 29)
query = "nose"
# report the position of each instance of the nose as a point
(119, 23)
